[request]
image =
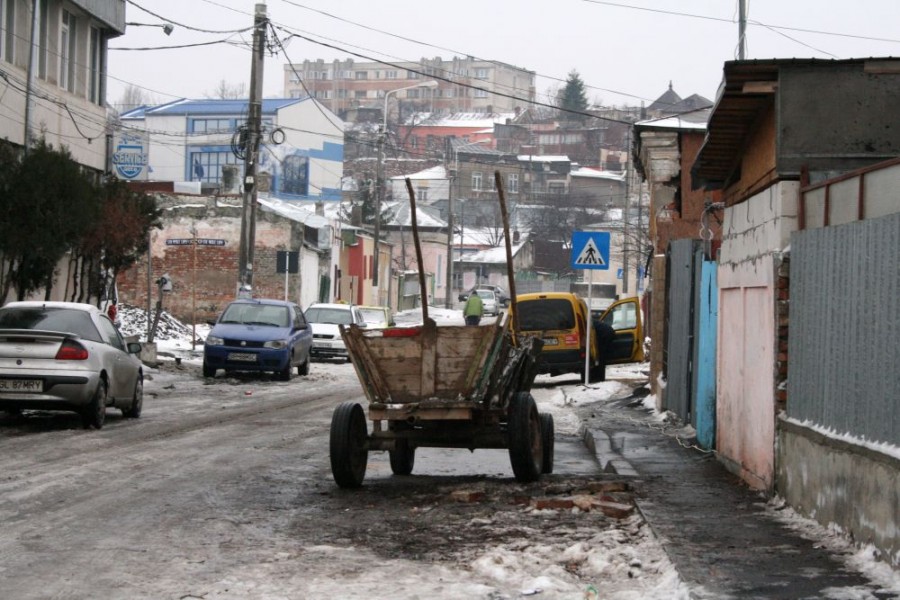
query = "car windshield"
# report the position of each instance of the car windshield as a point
(335, 316)
(545, 314)
(485, 294)
(373, 315)
(256, 314)
(65, 320)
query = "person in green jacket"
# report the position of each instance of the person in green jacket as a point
(474, 309)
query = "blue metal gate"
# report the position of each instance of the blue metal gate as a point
(706, 306)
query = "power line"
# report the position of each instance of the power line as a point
(188, 27)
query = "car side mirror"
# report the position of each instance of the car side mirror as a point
(301, 326)
(134, 347)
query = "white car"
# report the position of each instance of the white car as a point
(489, 301)
(324, 320)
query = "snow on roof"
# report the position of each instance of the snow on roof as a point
(694, 120)
(432, 173)
(402, 216)
(598, 174)
(480, 120)
(294, 212)
(491, 255)
(542, 158)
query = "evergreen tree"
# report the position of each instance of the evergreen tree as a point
(572, 97)
(44, 208)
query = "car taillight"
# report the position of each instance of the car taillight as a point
(71, 350)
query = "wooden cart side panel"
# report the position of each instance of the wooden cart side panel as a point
(370, 377)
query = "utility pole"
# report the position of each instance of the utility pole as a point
(251, 151)
(627, 208)
(742, 29)
(29, 82)
(448, 301)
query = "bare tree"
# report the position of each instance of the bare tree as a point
(228, 91)
(134, 97)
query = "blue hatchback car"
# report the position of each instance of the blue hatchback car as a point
(259, 335)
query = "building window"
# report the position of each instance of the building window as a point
(359, 94)
(390, 74)
(43, 38)
(342, 93)
(206, 165)
(67, 46)
(556, 187)
(414, 142)
(481, 73)
(8, 29)
(412, 75)
(295, 175)
(362, 75)
(212, 125)
(96, 66)
(480, 93)
(412, 93)
(421, 193)
(476, 181)
(512, 183)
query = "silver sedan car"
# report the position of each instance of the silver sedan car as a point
(67, 356)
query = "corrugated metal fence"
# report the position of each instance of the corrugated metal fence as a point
(844, 346)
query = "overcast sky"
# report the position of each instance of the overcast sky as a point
(626, 51)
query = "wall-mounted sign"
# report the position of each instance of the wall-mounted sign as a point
(131, 154)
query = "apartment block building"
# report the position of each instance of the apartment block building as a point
(465, 84)
(64, 99)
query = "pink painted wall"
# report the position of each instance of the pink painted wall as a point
(745, 428)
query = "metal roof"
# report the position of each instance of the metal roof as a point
(220, 107)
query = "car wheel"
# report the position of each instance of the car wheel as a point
(525, 444)
(303, 368)
(347, 445)
(137, 401)
(208, 371)
(548, 435)
(94, 414)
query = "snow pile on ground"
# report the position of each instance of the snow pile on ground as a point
(133, 321)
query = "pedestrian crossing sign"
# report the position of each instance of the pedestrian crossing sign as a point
(590, 250)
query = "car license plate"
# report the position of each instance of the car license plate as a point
(21, 385)
(242, 356)
(551, 341)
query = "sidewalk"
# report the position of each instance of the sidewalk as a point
(720, 535)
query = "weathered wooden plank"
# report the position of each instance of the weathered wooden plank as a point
(429, 358)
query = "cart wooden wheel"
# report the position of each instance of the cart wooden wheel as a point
(526, 451)
(348, 445)
(547, 438)
(403, 456)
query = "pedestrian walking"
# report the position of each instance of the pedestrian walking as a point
(474, 309)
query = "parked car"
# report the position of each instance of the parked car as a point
(260, 335)
(490, 305)
(324, 319)
(67, 356)
(561, 320)
(500, 294)
(377, 317)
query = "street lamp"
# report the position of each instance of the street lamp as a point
(167, 28)
(379, 176)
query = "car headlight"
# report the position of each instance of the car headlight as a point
(276, 344)
(212, 340)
